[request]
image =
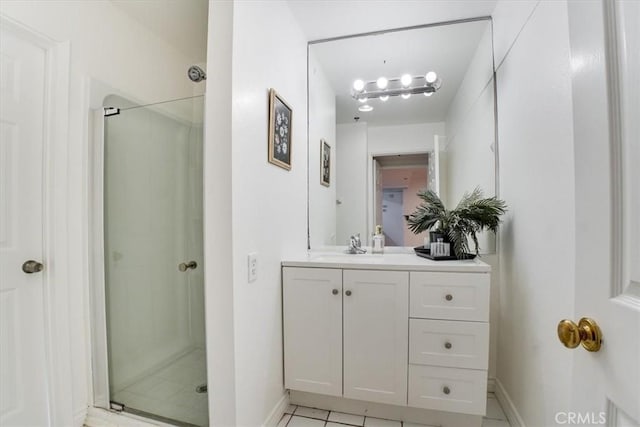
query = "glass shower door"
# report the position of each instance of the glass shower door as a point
(153, 260)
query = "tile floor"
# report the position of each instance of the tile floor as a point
(170, 392)
(300, 416)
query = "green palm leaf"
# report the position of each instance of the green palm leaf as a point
(473, 214)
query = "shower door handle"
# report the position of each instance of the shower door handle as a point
(184, 266)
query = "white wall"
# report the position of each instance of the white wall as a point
(109, 46)
(403, 139)
(269, 203)
(351, 182)
(537, 181)
(322, 200)
(218, 217)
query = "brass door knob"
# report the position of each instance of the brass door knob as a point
(32, 266)
(586, 332)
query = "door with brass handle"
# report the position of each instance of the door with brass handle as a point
(184, 266)
(586, 332)
(32, 266)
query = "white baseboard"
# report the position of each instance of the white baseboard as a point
(515, 420)
(278, 411)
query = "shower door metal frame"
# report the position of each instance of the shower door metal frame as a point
(99, 346)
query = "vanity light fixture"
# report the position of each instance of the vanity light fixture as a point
(405, 86)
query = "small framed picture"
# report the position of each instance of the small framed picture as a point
(279, 131)
(325, 163)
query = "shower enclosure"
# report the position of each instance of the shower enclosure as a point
(153, 261)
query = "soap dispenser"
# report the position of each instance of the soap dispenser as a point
(378, 241)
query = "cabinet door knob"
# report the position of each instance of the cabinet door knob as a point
(446, 390)
(447, 345)
(448, 297)
(348, 293)
(335, 292)
(184, 266)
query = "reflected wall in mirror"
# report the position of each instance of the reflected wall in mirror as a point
(385, 149)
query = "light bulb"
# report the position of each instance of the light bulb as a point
(365, 108)
(405, 80)
(363, 100)
(358, 85)
(382, 83)
(431, 77)
(406, 95)
(428, 93)
(384, 98)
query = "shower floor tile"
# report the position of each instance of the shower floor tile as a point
(170, 392)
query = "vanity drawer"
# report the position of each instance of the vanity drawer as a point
(449, 343)
(451, 296)
(448, 389)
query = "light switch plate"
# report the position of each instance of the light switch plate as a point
(252, 266)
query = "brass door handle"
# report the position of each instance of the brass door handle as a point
(586, 332)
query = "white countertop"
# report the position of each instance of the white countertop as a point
(393, 259)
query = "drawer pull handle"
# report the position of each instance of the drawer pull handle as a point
(348, 293)
(448, 297)
(446, 390)
(447, 345)
(335, 292)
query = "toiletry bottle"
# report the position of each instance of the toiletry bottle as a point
(378, 241)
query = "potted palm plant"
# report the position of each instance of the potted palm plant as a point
(474, 214)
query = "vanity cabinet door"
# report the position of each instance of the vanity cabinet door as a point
(312, 316)
(376, 311)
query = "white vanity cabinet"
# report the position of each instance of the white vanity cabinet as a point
(351, 318)
(312, 327)
(402, 331)
(375, 343)
(449, 341)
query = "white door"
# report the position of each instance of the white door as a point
(376, 330)
(23, 387)
(606, 383)
(393, 217)
(312, 317)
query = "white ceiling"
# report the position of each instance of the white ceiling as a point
(445, 49)
(181, 23)
(321, 19)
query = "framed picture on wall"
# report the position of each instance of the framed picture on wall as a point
(279, 131)
(325, 163)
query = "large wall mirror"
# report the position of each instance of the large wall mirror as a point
(422, 115)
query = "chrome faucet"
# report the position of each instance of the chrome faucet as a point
(355, 245)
